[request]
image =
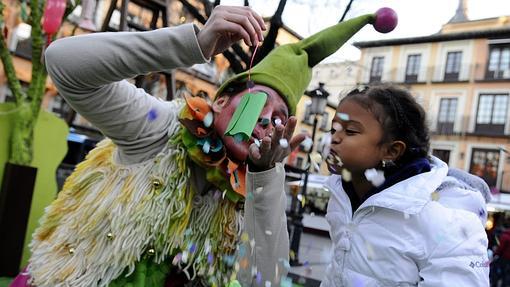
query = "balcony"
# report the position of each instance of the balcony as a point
(465, 127)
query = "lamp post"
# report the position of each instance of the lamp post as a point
(319, 100)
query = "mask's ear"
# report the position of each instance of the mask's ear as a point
(395, 150)
(220, 103)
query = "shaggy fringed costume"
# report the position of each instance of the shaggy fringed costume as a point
(136, 215)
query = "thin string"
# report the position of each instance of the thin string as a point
(249, 69)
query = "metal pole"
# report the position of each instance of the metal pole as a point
(297, 221)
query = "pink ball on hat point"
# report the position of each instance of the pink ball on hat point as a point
(385, 20)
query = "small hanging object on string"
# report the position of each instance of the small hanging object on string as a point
(52, 17)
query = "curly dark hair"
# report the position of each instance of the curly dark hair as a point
(400, 116)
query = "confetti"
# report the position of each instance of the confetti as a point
(256, 142)
(206, 147)
(342, 116)
(284, 143)
(208, 119)
(406, 215)
(177, 259)
(376, 177)
(292, 255)
(307, 144)
(185, 256)
(337, 127)
(252, 244)
(277, 122)
(434, 196)
(223, 195)
(245, 237)
(193, 248)
(238, 138)
(286, 282)
(370, 251)
(259, 189)
(346, 175)
(259, 277)
(269, 233)
(210, 258)
(267, 284)
(152, 114)
(242, 251)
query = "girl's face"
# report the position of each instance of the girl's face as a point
(356, 139)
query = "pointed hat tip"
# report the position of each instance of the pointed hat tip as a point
(385, 20)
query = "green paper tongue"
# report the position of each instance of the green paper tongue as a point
(246, 116)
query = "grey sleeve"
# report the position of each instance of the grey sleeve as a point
(89, 72)
(266, 225)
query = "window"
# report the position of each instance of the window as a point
(324, 121)
(484, 163)
(442, 154)
(492, 113)
(446, 117)
(307, 117)
(412, 68)
(377, 69)
(453, 61)
(499, 62)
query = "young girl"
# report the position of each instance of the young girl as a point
(398, 216)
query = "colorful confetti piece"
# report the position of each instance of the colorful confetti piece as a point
(343, 116)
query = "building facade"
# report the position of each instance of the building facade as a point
(461, 76)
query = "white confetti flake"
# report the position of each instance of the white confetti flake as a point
(407, 216)
(337, 126)
(307, 144)
(185, 256)
(343, 116)
(267, 284)
(316, 157)
(259, 189)
(346, 175)
(277, 122)
(376, 177)
(208, 119)
(257, 142)
(284, 143)
(269, 233)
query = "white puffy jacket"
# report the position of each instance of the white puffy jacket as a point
(401, 237)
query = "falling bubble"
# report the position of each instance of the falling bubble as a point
(208, 119)
(370, 251)
(346, 175)
(337, 126)
(342, 116)
(238, 138)
(307, 144)
(152, 114)
(434, 196)
(284, 143)
(376, 177)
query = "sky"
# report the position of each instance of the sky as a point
(416, 17)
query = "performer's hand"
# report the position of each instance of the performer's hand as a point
(227, 25)
(271, 151)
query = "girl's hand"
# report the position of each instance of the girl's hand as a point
(227, 25)
(271, 150)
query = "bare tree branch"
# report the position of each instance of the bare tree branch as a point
(346, 10)
(270, 39)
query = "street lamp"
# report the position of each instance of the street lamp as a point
(319, 100)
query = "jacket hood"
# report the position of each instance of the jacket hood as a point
(462, 190)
